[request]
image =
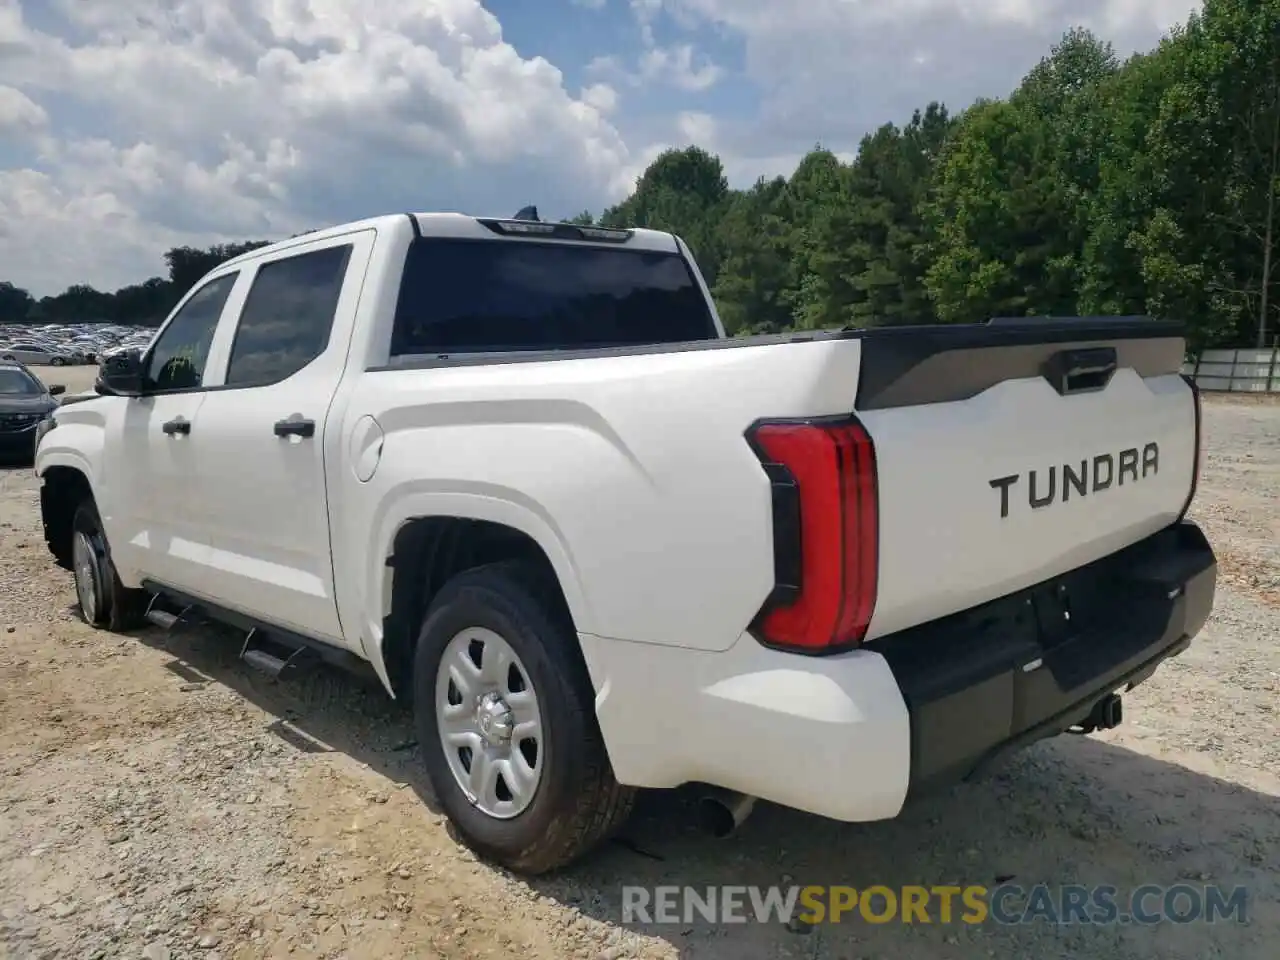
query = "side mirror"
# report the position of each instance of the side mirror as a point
(120, 374)
(57, 390)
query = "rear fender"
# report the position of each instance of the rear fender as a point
(496, 505)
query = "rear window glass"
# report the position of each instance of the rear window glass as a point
(473, 296)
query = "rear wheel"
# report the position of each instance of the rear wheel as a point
(104, 601)
(506, 721)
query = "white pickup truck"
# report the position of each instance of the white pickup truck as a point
(517, 469)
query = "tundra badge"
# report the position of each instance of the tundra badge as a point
(1090, 476)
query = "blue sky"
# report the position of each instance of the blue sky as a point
(131, 126)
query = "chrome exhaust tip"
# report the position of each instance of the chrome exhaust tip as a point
(722, 812)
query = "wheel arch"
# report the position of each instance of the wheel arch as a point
(425, 553)
(63, 487)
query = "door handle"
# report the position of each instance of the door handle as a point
(176, 426)
(295, 427)
(1081, 371)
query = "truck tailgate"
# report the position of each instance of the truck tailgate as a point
(1012, 453)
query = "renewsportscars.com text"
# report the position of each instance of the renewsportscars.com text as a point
(1002, 904)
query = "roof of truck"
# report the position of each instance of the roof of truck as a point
(459, 225)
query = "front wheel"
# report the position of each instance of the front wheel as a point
(506, 720)
(104, 601)
(57, 362)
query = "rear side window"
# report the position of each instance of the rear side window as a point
(288, 316)
(476, 296)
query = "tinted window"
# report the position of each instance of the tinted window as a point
(177, 360)
(15, 382)
(288, 316)
(462, 296)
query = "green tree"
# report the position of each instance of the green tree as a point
(15, 303)
(188, 264)
(753, 283)
(684, 192)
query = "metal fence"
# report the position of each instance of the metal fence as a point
(1237, 371)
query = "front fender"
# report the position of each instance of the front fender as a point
(62, 456)
(78, 442)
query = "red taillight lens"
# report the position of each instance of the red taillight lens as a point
(824, 470)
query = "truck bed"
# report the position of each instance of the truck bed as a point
(993, 473)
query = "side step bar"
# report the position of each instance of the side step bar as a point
(268, 649)
(162, 619)
(268, 663)
(271, 659)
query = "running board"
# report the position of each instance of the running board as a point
(270, 662)
(269, 649)
(162, 619)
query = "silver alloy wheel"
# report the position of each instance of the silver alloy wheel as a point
(84, 560)
(489, 721)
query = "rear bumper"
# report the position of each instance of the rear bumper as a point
(1034, 664)
(852, 736)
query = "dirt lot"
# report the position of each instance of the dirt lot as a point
(158, 799)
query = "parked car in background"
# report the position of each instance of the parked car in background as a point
(24, 403)
(57, 344)
(39, 354)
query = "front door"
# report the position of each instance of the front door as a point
(263, 436)
(158, 528)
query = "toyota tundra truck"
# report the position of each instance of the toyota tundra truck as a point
(516, 469)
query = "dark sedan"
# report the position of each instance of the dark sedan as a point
(24, 402)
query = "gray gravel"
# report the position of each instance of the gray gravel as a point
(159, 800)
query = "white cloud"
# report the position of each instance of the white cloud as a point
(696, 127)
(72, 235)
(19, 114)
(199, 119)
(645, 12)
(601, 96)
(676, 66)
(832, 70)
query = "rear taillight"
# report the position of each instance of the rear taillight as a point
(825, 530)
(1199, 448)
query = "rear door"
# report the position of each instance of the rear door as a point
(262, 436)
(1010, 454)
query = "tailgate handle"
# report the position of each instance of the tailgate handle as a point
(1080, 371)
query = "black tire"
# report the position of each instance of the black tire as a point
(578, 803)
(112, 605)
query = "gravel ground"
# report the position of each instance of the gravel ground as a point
(159, 800)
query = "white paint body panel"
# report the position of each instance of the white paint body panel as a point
(943, 544)
(632, 474)
(830, 737)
